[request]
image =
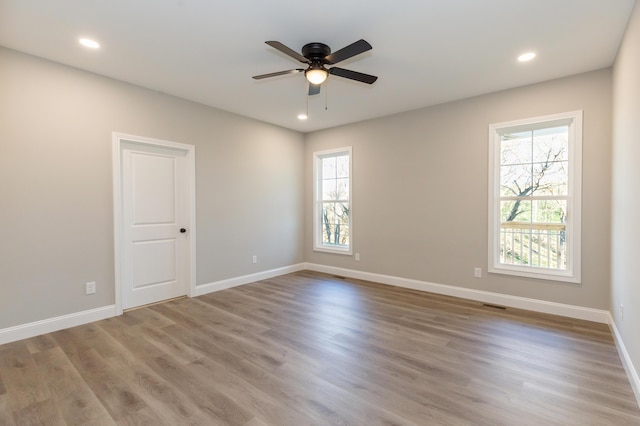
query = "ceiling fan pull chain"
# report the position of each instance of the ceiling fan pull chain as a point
(325, 95)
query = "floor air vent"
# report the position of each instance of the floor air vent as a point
(488, 305)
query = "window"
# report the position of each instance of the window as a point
(332, 195)
(534, 197)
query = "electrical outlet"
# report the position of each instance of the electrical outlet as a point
(477, 272)
(90, 287)
(357, 257)
(254, 259)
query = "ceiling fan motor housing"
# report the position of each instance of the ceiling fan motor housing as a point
(316, 52)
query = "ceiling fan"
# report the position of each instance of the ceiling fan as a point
(317, 56)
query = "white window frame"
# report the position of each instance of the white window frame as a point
(317, 201)
(574, 198)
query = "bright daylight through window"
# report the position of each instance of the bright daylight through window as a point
(332, 195)
(534, 197)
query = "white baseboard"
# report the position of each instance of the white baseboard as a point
(53, 324)
(246, 279)
(25, 331)
(32, 329)
(571, 311)
(632, 373)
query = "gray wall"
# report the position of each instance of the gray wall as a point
(625, 236)
(253, 187)
(420, 189)
(56, 210)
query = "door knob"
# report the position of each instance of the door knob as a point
(182, 230)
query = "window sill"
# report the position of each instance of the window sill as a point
(526, 272)
(335, 250)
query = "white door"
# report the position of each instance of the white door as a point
(155, 223)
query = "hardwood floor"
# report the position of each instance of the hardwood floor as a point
(309, 348)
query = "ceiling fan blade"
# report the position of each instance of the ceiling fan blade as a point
(287, 51)
(275, 74)
(353, 49)
(353, 75)
(314, 89)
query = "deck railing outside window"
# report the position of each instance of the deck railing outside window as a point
(533, 244)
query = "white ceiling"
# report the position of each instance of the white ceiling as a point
(425, 52)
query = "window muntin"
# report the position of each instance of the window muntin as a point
(332, 194)
(534, 194)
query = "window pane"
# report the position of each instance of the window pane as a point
(342, 189)
(550, 144)
(551, 178)
(514, 248)
(515, 180)
(548, 248)
(549, 211)
(541, 246)
(335, 223)
(537, 235)
(329, 167)
(328, 222)
(342, 211)
(343, 236)
(515, 211)
(327, 233)
(342, 166)
(329, 190)
(515, 148)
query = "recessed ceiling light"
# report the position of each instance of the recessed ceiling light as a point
(302, 116)
(526, 56)
(89, 43)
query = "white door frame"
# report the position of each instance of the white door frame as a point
(118, 227)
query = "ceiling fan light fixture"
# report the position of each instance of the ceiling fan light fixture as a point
(316, 75)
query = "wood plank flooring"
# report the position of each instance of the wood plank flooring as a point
(312, 349)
